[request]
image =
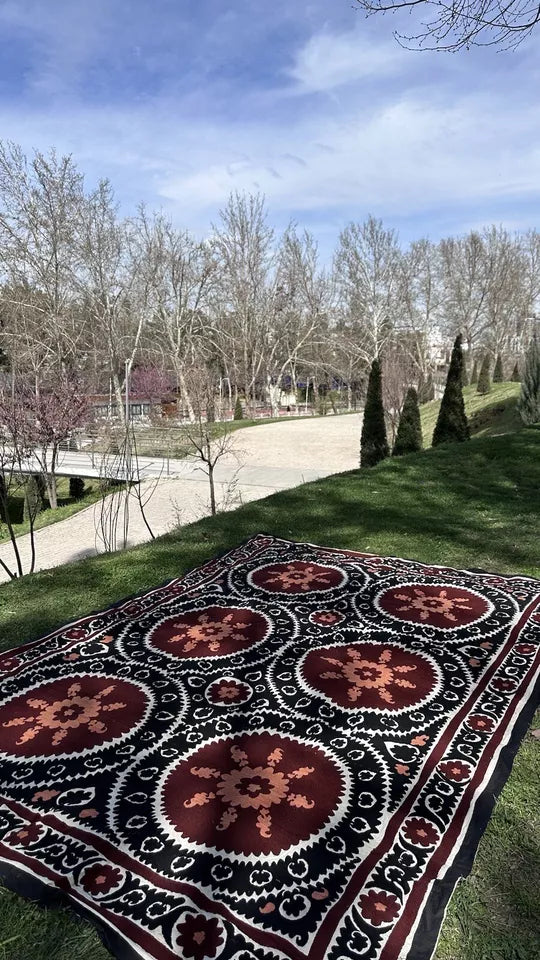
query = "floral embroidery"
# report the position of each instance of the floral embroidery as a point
(210, 632)
(455, 770)
(477, 721)
(327, 618)
(301, 578)
(369, 674)
(246, 787)
(421, 832)
(63, 715)
(25, 836)
(200, 936)
(378, 907)
(428, 604)
(101, 878)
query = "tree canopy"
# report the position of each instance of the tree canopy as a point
(456, 24)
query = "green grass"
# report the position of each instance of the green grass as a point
(489, 414)
(465, 505)
(66, 508)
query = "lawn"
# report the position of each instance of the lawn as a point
(465, 505)
(67, 506)
(489, 414)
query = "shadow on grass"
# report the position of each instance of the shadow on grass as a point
(463, 505)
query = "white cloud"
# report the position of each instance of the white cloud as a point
(328, 61)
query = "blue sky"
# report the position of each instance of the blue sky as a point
(179, 102)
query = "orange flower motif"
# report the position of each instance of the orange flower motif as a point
(428, 604)
(210, 632)
(251, 788)
(364, 674)
(63, 715)
(302, 579)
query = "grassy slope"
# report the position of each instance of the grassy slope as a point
(474, 505)
(489, 414)
(67, 507)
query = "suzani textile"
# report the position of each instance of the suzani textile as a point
(289, 754)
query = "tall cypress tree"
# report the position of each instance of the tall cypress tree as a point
(238, 412)
(373, 445)
(474, 374)
(452, 422)
(516, 377)
(529, 400)
(409, 432)
(498, 375)
(484, 383)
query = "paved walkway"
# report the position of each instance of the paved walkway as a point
(266, 458)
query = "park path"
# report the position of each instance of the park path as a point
(264, 459)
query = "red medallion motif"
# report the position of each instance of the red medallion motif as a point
(200, 937)
(370, 675)
(298, 576)
(252, 794)
(228, 692)
(327, 618)
(70, 715)
(433, 605)
(210, 632)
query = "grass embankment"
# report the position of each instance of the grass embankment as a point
(465, 505)
(490, 414)
(67, 506)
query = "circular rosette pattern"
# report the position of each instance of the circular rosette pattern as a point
(371, 682)
(435, 609)
(96, 719)
(252, 795)
(295, 579)
(213, 630)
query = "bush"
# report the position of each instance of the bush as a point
(452, 422)
(498, 375)
(238, 412)
(409, 433)
(426, 390)
(373, 445)
(474, 374)
(33, 498)
(529, 400)
(76, 488)
(516, 376)
(484, 383)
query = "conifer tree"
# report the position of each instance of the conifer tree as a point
(409, 432)
(238, 412)
(374, 445)
(452, 422)
(484, 383)
(516, 377)
(498, 375)
(529, 400)
(464, 376)
(474, 374)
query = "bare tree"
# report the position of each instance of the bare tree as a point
(209, 443)
(41, 203)
(243, 247)
(51, 416)
(184, 275)
(366, 266)
(463, 24)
